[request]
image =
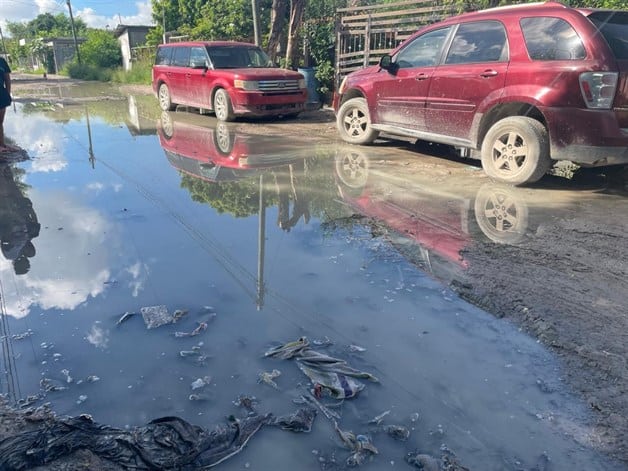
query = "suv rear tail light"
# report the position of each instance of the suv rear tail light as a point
(598, 89)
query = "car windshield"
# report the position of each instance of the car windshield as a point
(235, 57)
(614, 27)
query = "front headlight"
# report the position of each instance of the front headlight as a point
(302, 83)
(246, 84)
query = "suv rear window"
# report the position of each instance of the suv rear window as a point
(614, 27)
(551, 39)
(163, 56)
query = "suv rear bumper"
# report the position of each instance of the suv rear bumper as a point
(587, 137)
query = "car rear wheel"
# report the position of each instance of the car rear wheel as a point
(354, 123)
(222, 106)
(165, 102)
(516, 150)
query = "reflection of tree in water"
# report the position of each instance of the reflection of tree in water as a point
(18, 221)
(301, 189)
(240, 199)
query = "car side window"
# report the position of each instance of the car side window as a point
(181, 57)
(163, 56)
(481, 41)
(198, 56)
(422, 51)
(549, 39)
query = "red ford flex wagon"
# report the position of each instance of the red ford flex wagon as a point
(229, 78)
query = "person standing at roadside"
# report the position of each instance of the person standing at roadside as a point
(5, 100)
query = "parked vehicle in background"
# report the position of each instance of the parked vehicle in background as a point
(229, 78)
(517, 86)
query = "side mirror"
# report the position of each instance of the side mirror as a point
(199, 64)
(387, 63)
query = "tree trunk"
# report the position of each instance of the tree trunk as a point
(297, 8)
(277, 26)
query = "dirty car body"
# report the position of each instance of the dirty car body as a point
(517, 86)
(229, 78)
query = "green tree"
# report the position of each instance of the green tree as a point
(101, 49)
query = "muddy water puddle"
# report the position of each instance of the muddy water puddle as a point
(257, 241)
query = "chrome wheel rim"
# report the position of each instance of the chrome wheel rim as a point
(509, 153)
(355, 122)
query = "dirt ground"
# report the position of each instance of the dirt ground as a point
(567, 285)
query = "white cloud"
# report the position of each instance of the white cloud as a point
(95, 20)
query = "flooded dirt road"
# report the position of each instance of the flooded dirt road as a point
(494, 318)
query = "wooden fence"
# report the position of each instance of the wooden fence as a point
(366, 33)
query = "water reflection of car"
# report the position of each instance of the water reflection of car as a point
(217, 151)
(440, 224)
(18, 222)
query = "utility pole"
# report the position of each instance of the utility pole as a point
(256, 27)
(163, 20)
(78, 55)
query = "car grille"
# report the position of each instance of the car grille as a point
(279, 85)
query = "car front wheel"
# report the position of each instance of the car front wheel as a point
(222, 106)
(354, 123)
(165, 102)
(516, 150)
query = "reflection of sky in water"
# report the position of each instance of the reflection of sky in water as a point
(43, 140)
(62, 275)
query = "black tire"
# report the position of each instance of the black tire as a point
(163, 95)
(501, 212)
(354, 122)
(222, 105)
(515, 150)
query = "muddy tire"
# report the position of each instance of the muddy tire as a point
(165, 102)
(354, 122)
(516, 150)
(222, 106)
(501, 212)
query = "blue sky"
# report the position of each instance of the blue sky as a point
(96, 13)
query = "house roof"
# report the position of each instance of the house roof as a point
(120, 29)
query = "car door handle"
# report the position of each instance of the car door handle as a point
(188, 75)
(421, 76)
(489, 73)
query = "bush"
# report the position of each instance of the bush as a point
(140, 73)
(87, 72)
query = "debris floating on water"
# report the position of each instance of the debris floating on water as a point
(66, 374)
(201, 383)
(378, 419)
(268, 378)
(126, 316)
(201, 327)
(156, 316)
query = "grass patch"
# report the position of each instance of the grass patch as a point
(140, 74)
(87, 72)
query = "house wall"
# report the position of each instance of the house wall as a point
(126, 50)
(128, 40)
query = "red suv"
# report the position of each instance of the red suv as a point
(523, 85)
(228, 78)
